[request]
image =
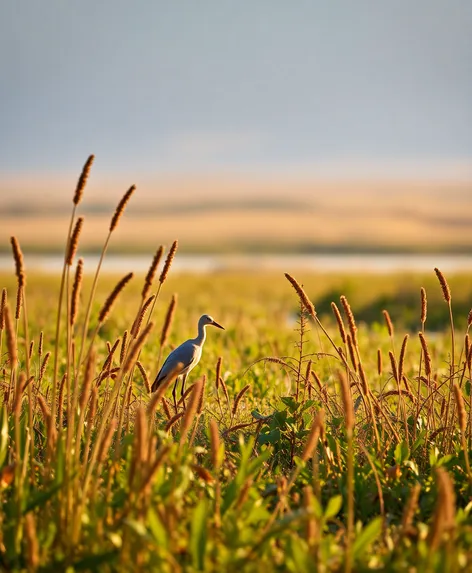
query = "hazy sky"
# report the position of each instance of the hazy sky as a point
(156, 86)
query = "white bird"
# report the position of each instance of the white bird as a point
(185, 357)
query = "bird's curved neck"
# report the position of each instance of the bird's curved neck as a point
(201, 334)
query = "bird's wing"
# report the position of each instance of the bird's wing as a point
(180, 358)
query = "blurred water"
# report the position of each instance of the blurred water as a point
(348, 263)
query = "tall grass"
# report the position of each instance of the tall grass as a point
(350, 453)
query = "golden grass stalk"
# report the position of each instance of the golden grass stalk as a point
(352, 352)
(427, 355)
(152, 272)
(124, 346)
(388, 322)
(301, 294)
(215, 445)
(410, 507)
(444, 286)
(83, 180)
(74, 241)
(191, 410)
(43, 366)
(40, 344)
(401, 359)
(32, 554)
(168, 262)
(139, 319)
(121, 208)
(444, 513)
(19, 301)
(19, 264)
(105, 311)
(173, 420)
(166, 408)
(168, 320)
(350, 319)
(74, 301)
(314, 435)
(379, 362)
(239, 397)
(201, 401)
(424, 305)
(145, 378)
(136, 348)
(462, 415)
(11, 337)
(2, 308)
(347, 403)
(339, 320)
(159, 393)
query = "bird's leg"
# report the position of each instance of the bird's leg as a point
(183, 389)
(173, 393)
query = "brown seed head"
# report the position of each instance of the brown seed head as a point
(401, 359)
(112, 297)
(169, 259)
(444, 286)
(121, 207)
(460, 408)
(379, 361)
(74, 241)
(427, 355)
(2, 308)
(190, 412)
(19, 301)
(347, 402)
(144, 376)
(339, 320)
(139, 319)
(136, 348)
(11, 337)
(19, 265)
(350, 319)
(168, 321)
(388, 322)
(239, 397)
(74, 301)
(424, 305)
(313, 436)
(469, 318)
(83, 180)
(301, 295)
(152, 272)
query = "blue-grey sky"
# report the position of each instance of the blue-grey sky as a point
(167, 86)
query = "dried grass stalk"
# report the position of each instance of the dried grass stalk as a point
(151, 272)
(301, 295)
(388, 322)
(19, 301)
(444, 513)
(19, 264)
(379, 361)
(2, 308)
(168, 321)
(239, 397)
(173, 420)
(74, 241)
(424, 305)
(144, 376)
(120, 208)
(32, 555)
(191, 410)
(393, 364)
(44, 365)
(215, 444)
(347, 402)
(83, 180)
(350, 319)
(136, 348)
(11, 337)
(139, 319)
(124, 346)
(74, 301)
(401, 359)
(460, 408)
(112, 297)
(444, 286)
(411, 506)
(169, 259)
(352, 352)
(315, 432)
(427, 355)
(339, 320)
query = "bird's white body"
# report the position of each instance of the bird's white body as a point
(186, 356)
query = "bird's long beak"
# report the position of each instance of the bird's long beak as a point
(217, 325)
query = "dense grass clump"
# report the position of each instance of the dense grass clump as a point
(312, 438)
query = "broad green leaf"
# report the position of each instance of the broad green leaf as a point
(367, 536)
(333, 507)
(198, 535)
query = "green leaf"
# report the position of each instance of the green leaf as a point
(198, 534)
(333, 507)
(402, 453)
(157, 529)
(367, 536)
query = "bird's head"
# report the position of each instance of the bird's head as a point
(206, 319)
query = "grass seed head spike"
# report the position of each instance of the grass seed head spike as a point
(339, 320)
(74, 241)
(120, 208)
(136, 348)
(2, 308)
(19, 301)
(347, 402)
(460, 408)
(427, 355)
(302, 295)
(169, 259)
(379, 361)
(144, 376)
(190, 412)
(19, 264)
(139, 319)
(401, 359)
(168, 320)
(239, 397)
(188, 355)
(152, 272)
(112, 297)
(388, 322)
(83, 180)
(313, 436)
(424, 305)
(444, 286)
(74, 302)
(350, 319)
(11, 337)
